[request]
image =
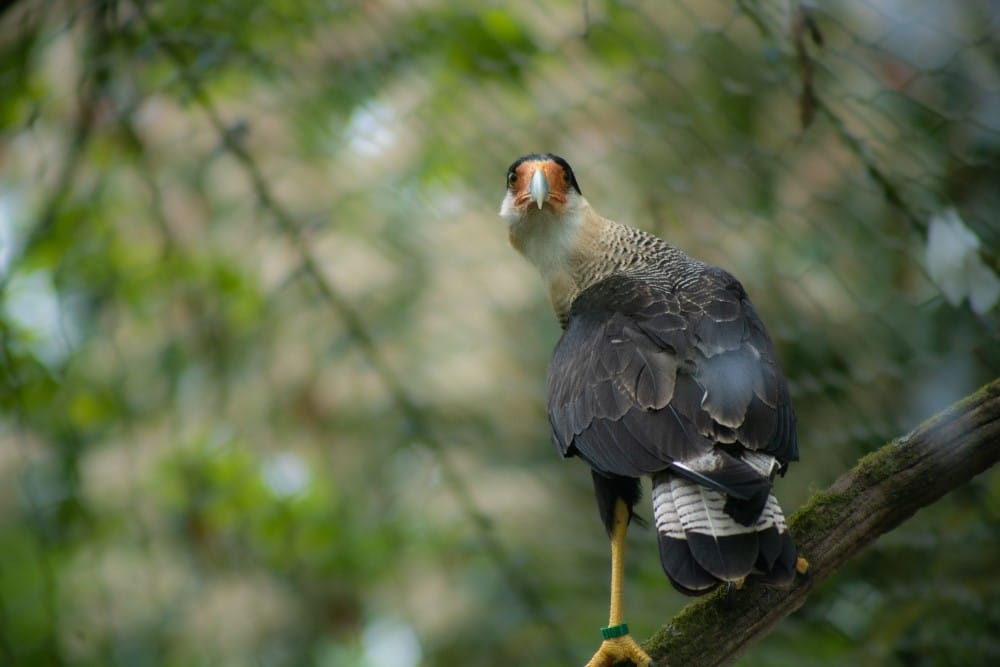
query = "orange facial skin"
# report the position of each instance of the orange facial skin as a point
(554, 174)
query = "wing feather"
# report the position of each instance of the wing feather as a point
(645, 375)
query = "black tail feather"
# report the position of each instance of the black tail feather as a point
(684, 572)
(728, 557)
(781, 570)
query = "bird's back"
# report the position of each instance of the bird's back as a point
(665, 369)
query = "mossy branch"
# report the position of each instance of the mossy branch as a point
(884, 489)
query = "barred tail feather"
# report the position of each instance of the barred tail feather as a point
(744, 482)
(702, 545)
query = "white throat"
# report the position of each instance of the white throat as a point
(547, 240)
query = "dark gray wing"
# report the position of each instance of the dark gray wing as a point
(645, 376)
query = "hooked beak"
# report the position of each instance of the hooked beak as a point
(539, 187)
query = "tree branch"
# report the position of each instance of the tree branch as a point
(884, 489)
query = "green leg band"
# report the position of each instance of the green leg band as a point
(614, 631)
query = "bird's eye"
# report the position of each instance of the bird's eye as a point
(511, 178)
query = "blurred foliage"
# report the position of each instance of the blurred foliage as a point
(273, 385)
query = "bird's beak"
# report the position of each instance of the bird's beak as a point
(539, 187)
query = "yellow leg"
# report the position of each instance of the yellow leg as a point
(617, 649)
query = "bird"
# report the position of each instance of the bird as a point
(663, 370)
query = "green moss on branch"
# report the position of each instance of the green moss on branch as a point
(883, 489)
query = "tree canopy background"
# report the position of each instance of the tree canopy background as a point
(272, 382)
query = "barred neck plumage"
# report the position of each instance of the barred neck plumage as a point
(580, 248)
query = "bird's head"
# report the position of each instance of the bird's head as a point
(543, 205)
(540, 184)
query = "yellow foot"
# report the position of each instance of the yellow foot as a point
(620, 649)
(801, 565)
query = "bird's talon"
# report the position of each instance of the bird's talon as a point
(801, 565)
(618, 650)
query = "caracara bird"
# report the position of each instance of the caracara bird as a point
(663, 369)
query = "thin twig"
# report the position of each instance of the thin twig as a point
(415, 416)
(807, 24)
(890, 191)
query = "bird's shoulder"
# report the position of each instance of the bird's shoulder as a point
(674, 294)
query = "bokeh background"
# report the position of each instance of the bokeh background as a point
(272, 381)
